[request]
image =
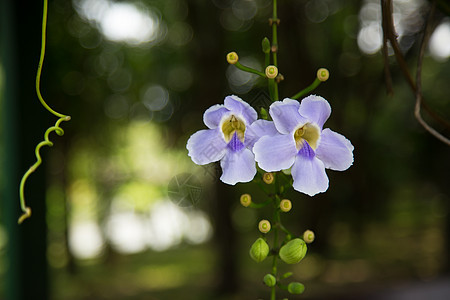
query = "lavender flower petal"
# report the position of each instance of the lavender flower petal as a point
(238, 106)
(238, 166)
(309, 174)
(206, 146)
(258, 129)
(285, 115)
(315, 109)
(275, 153)
(214, 115)
(335, 151)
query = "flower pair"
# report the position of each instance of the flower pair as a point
(294, 139)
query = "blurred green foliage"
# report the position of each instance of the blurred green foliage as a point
(135, 105)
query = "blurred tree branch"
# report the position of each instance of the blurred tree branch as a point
(389, 34)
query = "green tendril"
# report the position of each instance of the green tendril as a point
(46, 142)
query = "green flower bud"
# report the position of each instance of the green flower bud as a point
(294, 251)
(265, 45)
(246, 200)
(270, 280)
(323, 74)
(285, 205)
(296, 288)
(271, 71)
(232, 58)
(308, 236)
(268, 178)
(259, 250)
(264, 226)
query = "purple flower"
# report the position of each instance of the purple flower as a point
(302, 144)
(233, 130)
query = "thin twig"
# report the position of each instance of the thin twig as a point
(390, 35)
(387, 73)
(417, 114)
(388, 20)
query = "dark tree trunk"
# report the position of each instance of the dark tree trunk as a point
(23, 126)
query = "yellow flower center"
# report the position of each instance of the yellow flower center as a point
(232, 125)
(309, 133)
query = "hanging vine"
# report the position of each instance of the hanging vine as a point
(56, 128)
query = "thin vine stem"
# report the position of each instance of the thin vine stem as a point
(41, 62)
(59, 131)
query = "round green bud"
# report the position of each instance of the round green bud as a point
(308, 236)
(323, 74)
(268, 178)
(294, 251)
(271, 72)
(246, 200)
(264, 226)
(285, 205)
(232, 58)
(259, 250)
(296, 288)
(270, 280)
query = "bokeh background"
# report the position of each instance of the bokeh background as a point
(121, 212)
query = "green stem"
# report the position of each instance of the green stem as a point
(274, 92)
(307, 90)
(285, 229)
(259, 205)
(277, 220)
(275, 246)
(272, 85)
(249, 70)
